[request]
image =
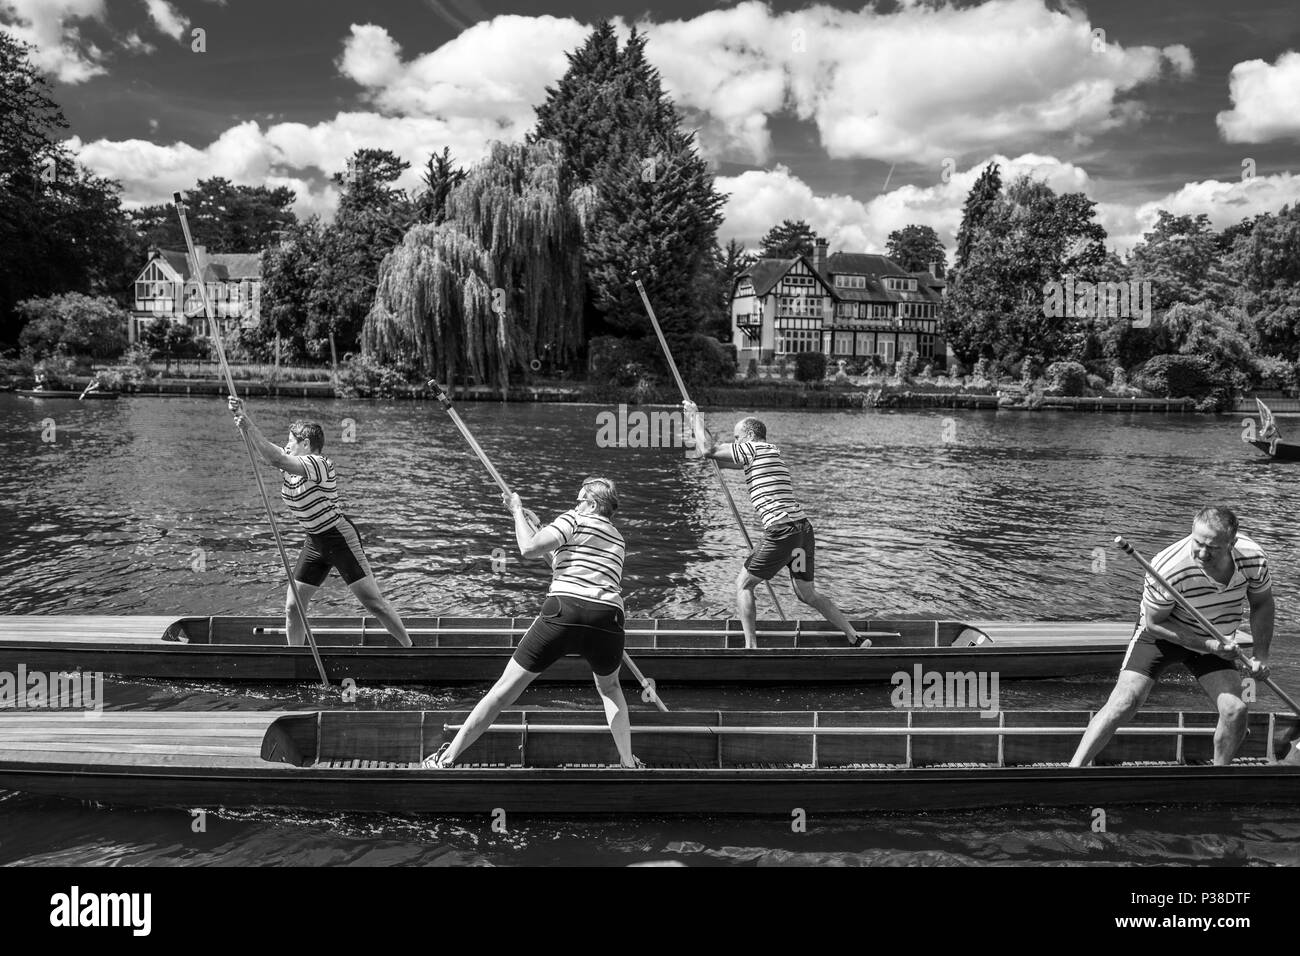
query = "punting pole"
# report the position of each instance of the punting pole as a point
(648, 692)
(1200, 618)
(717, 469)
(215, 332)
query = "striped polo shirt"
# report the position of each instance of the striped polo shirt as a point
(313, 498)
(1220, 603)
(589, 563)
(768, 478)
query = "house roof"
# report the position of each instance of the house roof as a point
(216, 266)
(765, 273)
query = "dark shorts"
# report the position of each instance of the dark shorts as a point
(569, 625)
(784, 545)
(1150, 656)
(339, 547)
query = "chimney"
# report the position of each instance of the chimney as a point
(819, 255)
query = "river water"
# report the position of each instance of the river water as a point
(148, 506)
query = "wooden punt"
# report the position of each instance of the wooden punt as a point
(1269, 441)
(60, 393)
(452, 650)
(563, 762)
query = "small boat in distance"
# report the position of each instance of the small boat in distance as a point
(1268, 438)
(459, 650)
(563, 762)
(62, 393)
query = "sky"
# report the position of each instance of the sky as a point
(860, 119)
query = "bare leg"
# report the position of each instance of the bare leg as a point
(293, 625)
(808, 594)
(367, 591)
(512, 682)
(1224, 689)
(616, 715)
(746, 606)
(1130, 693)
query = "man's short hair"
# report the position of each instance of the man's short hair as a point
(602, 493)
(313, 433)
(1218, 518)
(752, 428)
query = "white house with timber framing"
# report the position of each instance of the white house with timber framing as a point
(848, 305)
(166, 286)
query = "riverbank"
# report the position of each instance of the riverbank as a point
(763, 395)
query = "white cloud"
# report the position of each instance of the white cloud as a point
(761, 199)
(50, 26)
(1265, 101)
(1013, 73)
(495, 72)
(167, 18)
(283, 153)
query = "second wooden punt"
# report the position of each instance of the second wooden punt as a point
(453, 650)
(563, 762)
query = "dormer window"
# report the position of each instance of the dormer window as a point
(850, 282)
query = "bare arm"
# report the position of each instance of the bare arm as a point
(1262, 613)
(267, 450)
(1157, 623)
(705, 443)
(533, 541)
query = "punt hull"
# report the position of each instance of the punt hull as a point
(1283, 452)
(614, 791)
(246, 649)
(563, 762)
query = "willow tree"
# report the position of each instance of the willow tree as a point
(498, 283)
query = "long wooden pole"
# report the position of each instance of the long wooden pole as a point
(767, 730)
(1201, 619)
(215, 332)
(717, 469)
(648, 692)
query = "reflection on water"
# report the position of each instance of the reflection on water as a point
(147, 506)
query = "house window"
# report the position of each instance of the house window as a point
(926, 347)
(900, 285)
(866, 343)
(843, 344)
(801, 305)
(791, 341)
(851, 282)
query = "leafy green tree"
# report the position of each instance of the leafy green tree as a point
(61, 228)
(1026, 238)
(915, 248)
(648, 201)
(496, 285)
(440, 177)
(791, 238)
(1176, 256)
(74, 324)
(223, 217)
(169, 339)
(979, 201)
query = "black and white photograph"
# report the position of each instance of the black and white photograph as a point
(456, 433)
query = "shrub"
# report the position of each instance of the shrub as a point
(1177, 376)
(751, 370)
(54, 373)
(364, 377)
(705, 361)
(118, 378)
(1066, 378)
(1118, 378)
(622, 362)
(1273, 371)
(1096, 383)
(927, 372)
(73, 323)
(907, 367)
(810, 366)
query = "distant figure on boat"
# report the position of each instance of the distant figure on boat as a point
(1213, 568)
(788, 539)
(582, 615)
(310, 490)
